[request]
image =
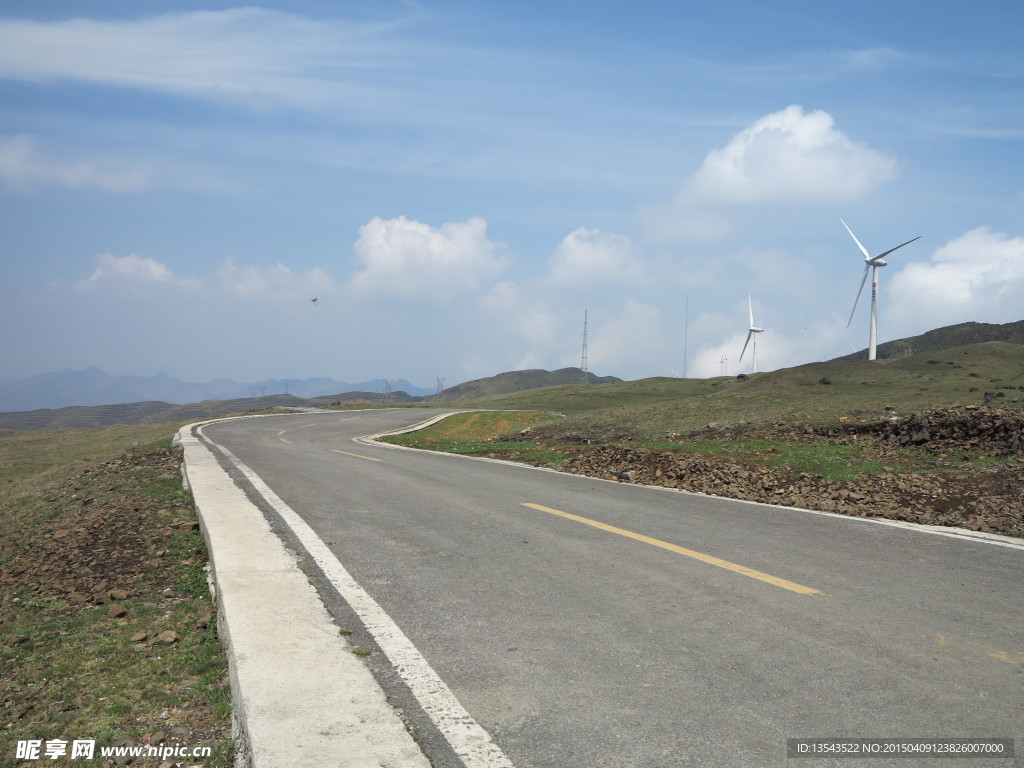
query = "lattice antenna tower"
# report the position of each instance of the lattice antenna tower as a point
(440, 387)
(386, 397)
(583, 357)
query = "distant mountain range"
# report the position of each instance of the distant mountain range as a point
(94, 387)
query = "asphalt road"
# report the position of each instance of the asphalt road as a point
(590, 623)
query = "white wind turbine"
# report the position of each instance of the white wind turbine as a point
(724, 362)
(752, 332)
(873, 263)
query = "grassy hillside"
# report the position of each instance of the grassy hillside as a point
(651, 408)
(948, 337)
(580, 398)
(515, 381)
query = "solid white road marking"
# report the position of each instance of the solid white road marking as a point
(467, 738)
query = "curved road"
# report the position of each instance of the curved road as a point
(589, 623)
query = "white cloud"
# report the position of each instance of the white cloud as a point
(254, 56)
(275, 282)
(978, 276)
(588, 256)
(22, 166)
(633, 340)
(411, 260)
(503, 297)
(135, 270)
(789, 155)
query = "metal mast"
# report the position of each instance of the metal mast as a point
(686, 335)
(583, 356)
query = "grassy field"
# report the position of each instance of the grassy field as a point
(502, 435)
(784, 435)
(479, 434)
(107, 629)
(860, 390)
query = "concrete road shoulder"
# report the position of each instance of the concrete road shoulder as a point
(301, 697)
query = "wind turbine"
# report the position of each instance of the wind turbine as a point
(873, 263)
(752, 332)
(724, 362)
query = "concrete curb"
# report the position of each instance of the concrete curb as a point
(300, 696)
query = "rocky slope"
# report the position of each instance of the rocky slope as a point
(947, 491)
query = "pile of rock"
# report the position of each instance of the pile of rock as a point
(993, 504)
(992, 431)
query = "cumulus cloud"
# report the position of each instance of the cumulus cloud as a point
(23, 166)
(274, 282)
(136, 271)
(789, 155)
(632, 339)
(978, 276)
(588, 256)
(784, 157)
(411, 260)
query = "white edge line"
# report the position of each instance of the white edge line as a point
(961, 534)
(467, 738)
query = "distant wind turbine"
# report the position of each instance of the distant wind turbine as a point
(873, 263)
(724, 362)
(752, 332)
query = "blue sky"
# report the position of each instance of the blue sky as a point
(457, 182)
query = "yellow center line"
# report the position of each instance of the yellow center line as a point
(767, 578)
(357, 455)
(285, 440)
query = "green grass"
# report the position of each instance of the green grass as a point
(651, 409)
(485, 434)
(837, 463)
(583, 398)
(76, 667)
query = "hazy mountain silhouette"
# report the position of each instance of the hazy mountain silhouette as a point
(92, 386)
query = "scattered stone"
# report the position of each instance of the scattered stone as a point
(116, 610)
(824, 380)
(204, 617)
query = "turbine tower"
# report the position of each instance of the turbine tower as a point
(874, 263)
(724, 362)
(752, 332)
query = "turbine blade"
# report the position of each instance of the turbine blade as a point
(859, 291)
(883, 255)
(750, 305)
(862, 248)
(749, 334)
